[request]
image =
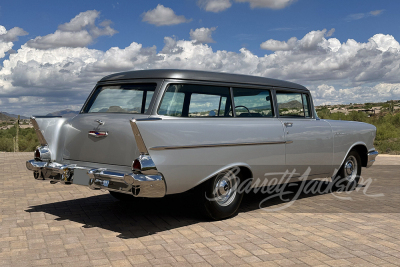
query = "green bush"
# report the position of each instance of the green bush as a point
(27, 139)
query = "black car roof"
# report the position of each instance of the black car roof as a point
(200, 76)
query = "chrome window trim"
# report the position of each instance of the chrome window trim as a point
(233, 106)
(158, 148)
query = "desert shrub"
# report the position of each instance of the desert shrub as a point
(6, 144)
(386, 131)
(27, 140)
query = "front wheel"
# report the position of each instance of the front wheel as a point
(348, 176)
(220, 196)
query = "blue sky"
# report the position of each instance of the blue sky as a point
(238, 26)
(33, 71)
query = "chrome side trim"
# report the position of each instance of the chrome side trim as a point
(39, 134)
(371, 158)
(220, 145)
(139, 140)
(149, 119)
(46, 117)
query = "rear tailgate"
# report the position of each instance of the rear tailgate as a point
(118, 147)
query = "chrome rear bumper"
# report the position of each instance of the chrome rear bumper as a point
(137, 184)
(371, 158)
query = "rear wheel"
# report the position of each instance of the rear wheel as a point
(348, 176)
(219, 196)
(122, 196)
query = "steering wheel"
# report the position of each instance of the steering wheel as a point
(248, 110)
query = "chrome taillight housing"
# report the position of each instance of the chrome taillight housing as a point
(42, 153)
(144, 164)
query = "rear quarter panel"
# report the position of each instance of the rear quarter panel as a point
(53, 132)
(348, 134)
(183, 169)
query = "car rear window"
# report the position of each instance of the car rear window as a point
(127, 98)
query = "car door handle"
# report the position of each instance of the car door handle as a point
(288, 124)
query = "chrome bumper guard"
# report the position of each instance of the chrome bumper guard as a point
(371, 158)
(136, 184)
(52, 171)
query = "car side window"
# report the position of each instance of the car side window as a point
(190, 100)
(252, 102)
(290, 104)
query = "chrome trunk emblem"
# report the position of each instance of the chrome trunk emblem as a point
(98, 133)
(100, 122)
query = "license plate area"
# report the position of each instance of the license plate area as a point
(80, 177)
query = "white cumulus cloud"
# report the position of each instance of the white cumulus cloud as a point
(202, 35)
(214, 5)
(79, 32)
(275, 45)
(273, 4)
(335, 70)
(161, 16)
(310, 41)
(326, 94)
(8, 37)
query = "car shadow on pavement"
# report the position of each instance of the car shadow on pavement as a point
(143, 217)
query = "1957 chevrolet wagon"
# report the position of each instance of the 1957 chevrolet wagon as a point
(156, 132)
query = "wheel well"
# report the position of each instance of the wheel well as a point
(246, 172)
(363, 152)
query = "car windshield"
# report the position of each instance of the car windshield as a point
(127, 98)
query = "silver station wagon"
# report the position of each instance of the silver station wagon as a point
(156, 132)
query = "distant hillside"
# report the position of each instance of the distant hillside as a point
(4, 117)
(291, 105)
(65, 113)
(13, 116)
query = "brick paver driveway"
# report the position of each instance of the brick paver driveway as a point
(45, 224)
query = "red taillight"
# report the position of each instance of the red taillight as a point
(136, 165)
(37, 154)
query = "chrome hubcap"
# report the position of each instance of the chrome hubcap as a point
(350, 168)
(225, 188)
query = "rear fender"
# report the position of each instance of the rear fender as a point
(49, 133)
(240, 165)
